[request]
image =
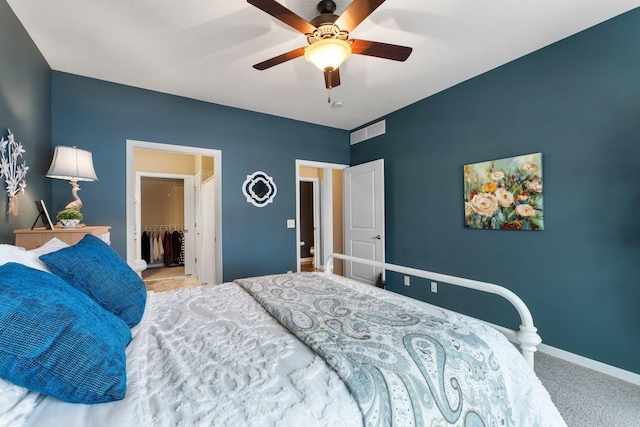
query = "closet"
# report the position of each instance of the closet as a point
(162, 222)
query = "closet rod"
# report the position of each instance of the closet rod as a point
(177, 227)
(179, 183)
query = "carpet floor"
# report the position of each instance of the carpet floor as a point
(586, 398)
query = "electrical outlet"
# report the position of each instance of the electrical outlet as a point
(434, 287)
(289, 271)
(407, 281)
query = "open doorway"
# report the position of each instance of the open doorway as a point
(201, 225)
(318, 214)
(309, 222)
(164, 212)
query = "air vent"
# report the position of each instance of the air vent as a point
(369, 132)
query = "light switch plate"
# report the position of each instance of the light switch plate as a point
(291, 223)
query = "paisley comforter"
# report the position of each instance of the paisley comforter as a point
(402, 367)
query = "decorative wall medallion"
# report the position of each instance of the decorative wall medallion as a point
(259, 189)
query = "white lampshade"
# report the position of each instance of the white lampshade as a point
(327, 53)
(71, 163)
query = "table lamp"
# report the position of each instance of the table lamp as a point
(75, 165)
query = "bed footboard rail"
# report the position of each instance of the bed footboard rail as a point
(527, 337)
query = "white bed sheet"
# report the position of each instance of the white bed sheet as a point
(212, 356)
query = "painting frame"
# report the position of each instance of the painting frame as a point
(504, 194)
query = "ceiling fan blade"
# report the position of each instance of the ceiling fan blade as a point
(356, 12)
(293, 54)
(332, 78)
(280, 12)
(381, 50)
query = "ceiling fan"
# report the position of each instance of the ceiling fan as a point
(328, 37)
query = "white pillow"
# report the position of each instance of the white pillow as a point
(52, 245)
(16, 403)
(10, 253)
(31, 258)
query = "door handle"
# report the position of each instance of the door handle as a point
(378, 237)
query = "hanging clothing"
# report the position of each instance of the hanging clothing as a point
(144, 246)
(167, 248)
(156, 247)
(178, 244)
(152, 247)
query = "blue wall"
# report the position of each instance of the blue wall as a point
(25, 108)
(99, 116)
(577, 102)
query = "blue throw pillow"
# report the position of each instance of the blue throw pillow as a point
(94, 268)
(57, 341)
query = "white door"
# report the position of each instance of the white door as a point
(364, 218)
(207, 260)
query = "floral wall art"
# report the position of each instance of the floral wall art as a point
(504, 194)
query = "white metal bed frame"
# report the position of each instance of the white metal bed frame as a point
(527, 337)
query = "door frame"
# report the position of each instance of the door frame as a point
(197, 219)
(314, 164)
(189, 218)
(132, 238)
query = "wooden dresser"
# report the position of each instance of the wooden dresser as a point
(31, 239)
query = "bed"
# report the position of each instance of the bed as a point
(228, 355)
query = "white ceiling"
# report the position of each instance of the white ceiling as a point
(205, 49)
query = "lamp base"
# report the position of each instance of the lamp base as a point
(76, 203)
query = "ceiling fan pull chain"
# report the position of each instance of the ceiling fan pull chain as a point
(329, 99)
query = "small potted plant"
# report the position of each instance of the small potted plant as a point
(69, 217)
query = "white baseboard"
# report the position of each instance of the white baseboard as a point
(621, 374)
(576, 359)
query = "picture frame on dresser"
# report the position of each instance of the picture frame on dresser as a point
(43, 214)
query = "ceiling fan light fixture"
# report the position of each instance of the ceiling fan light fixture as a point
(328, 53)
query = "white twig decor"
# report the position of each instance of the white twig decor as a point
(14, 174)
